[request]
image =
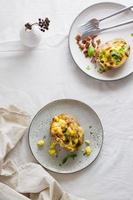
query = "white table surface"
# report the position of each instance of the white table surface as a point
(31, 79)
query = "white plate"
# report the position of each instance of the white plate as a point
(98, 11)
(40, 126)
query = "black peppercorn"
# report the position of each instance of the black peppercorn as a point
(44, 24)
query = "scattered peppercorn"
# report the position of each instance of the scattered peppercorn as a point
(44, 24)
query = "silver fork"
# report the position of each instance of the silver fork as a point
(94, 23)
(97, 30)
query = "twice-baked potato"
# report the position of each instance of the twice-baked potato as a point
(113, 54)
(66, 132)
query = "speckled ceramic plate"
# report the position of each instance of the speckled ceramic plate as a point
(99, 11)
(40, 126)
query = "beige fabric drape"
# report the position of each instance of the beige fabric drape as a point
(22, 178)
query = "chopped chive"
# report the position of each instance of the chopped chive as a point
(64, 160)
(69, 156)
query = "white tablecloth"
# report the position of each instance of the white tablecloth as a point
(31, 79)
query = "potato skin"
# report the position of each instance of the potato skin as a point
(66, 132)
(113, 45)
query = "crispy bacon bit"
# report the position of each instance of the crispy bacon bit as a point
(89, 38)
(98, 41)
(93, 44)
(81, 46)
(85, 53)
(78, 38)
(87, 45)
(93, 37)
(84, 41)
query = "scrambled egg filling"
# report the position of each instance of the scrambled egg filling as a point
(52, 149)
(113, 54)
(66, 132)
(41, 143)
(87, 150)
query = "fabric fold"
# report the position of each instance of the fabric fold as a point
(22, 178)
(13, 124)
(7, 193)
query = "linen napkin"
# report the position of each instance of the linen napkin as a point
(21, 178)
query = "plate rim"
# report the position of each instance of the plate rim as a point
(105, 2)
(65, 172)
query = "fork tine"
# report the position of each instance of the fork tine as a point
(93, 23)
(90, 24)
(87, 27)
(82, 32)
(86, 23)
(92, 32)
(87, 30)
